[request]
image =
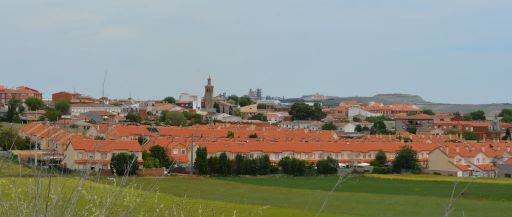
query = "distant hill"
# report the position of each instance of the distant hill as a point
(395, 98)
(398, 98)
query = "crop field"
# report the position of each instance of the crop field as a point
(371, 195)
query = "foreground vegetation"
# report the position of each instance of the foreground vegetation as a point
(22, 192)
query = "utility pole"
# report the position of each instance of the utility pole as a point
(192, 155)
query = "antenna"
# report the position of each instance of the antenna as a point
(103, 86)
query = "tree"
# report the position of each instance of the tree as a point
(264, 165)
(428, 112)
(378, 119)
(52, 114)
(329, 126)
(224, 165)
(213, 165)
(238, 165)
(63, 106)
(507, 135)
(406, 160)
(359, 128)
(193, 118)
(380, 159)
(10, 140)
(234, 99)
(201, 161)
(475, 116)
(149, 161)
(159, 153)
(506, 115)
(253, 136)
(259, 117)
(379, 127)
(327, 166)
(13, 111)
(142, 140)
(407, 139)
(34, 104)
(412, 130)
(169, 100)
(173, 118)
(123, 164)
(302, 111)
(133, 117)
(292, 166)
(244, 101)
(468, 135)
(230, 135)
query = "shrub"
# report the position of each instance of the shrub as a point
(124, 164)
(382, 170)
(327, 166)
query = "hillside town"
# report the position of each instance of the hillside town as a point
(77, 132)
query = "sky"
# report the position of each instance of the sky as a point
(456, 51)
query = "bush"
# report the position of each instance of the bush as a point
(327, 166)
(469, 135)
(382, 170)
(293, 166)
(253, 136)
(124, 164)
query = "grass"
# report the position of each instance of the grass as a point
(359, 196)
(370, 195)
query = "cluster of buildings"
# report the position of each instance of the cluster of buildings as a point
(92, 148)
(86, 138)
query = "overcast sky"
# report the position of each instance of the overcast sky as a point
(456, 51)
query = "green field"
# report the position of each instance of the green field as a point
(373, 195)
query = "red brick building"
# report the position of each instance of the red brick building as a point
(72, 97)
(20, 93)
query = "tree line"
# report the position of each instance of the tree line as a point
(261, 165)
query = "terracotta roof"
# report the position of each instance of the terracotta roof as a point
(105, 145)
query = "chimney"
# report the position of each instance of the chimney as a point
(457, 149)
(483, 149)
(447, 150)
(508, 149)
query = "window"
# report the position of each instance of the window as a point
(103, 156)
(175, 151)
(183, 151)
(91, 156)
(79, 155)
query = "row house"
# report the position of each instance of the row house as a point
(466, 160)
(483, 129)
(78, 109)
(72, 97)
(95, 155)
(424, 124)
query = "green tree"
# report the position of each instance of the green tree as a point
(380, 159)
(412, 130)
(378, 119)
(193, 118)
(264, 165)
(13, 111)
(406, 160)
(124, 164)
(10, 140)
(133, 117)
(34, 104)
(407, 139)
(149, 161)
(253, 136)
(52, 114)
(238, 165)
(475, 116)
(327, 166)
(259, 117)
(63, 106)
(224, 165)
(329, 126)
(506, 115)
(142, 140)
(507, 135)
(293, 166)
(244, 101)
(201, 160)
(468, 135)
(234, 99)
(159, 153)
(359, 128)
(302, 111)
(379, 127)
(428, 112)
(173, 118)
(213, 165)
(230, 135)
(169, 99)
